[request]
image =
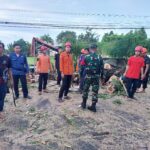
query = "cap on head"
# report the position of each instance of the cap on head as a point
(93, 46)
(144, 50)
(138, 49)
(43, 48)
(67, 44)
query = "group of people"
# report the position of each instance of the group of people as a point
(137, 72)
(90, 64)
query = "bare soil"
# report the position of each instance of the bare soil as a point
(44, 124)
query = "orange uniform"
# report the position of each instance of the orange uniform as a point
(43, 64)
(66, 63)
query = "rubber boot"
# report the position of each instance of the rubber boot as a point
(92, 107)
(83, 104)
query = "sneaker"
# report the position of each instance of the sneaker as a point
(28, 97)
(67, 97)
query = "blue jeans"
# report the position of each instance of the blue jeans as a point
(3, 91)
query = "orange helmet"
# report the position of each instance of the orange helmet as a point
(138, 48)
(42, 48)
(144, 50)
(68, 44)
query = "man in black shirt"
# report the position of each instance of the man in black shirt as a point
(57, 57)
(143, 83)
(4, 71)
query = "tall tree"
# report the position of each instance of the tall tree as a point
(89, 37)
(47, 38)
(65, 36)
(25, 46)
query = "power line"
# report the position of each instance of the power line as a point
(58, 26)
(75, 13)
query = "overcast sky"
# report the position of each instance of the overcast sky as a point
(134, 13)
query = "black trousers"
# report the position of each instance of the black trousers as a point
(23, 80)
(131, 85)
(43, 77)
(65, 86)
(58, 77)
(143, 82)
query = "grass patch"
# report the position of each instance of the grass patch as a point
(31, 109)
(32, 60)
(117, 102)
(105, 96)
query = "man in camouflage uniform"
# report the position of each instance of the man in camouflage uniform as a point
(94, 68)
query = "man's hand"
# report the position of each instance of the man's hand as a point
(62, 75)
(124, 74)
(11, 83)
(142, 77)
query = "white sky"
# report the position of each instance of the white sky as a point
(40, 12)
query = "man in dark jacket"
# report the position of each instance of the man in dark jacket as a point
(142, 85)
(20, 69)
(4, 72)
(57, 60)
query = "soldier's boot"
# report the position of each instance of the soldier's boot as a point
(83, 104)
(92, 107)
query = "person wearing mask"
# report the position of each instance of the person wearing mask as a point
(66, 69)
(20, 69)
(133, 71)
(57, 65)
(43, 67)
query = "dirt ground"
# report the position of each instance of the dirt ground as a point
(44, 124)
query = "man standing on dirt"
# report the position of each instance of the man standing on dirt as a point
(94, 68)
(57, 65)
(4, 71)
(133, 70)
(144, 82)
(43, 67)
(20, 69)
(67, 69)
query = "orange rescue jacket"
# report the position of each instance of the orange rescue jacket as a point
(66, 63)
(43, 64)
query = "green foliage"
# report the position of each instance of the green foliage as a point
(119, 90)
(65, 36)
(122, 46)
(25, 46)
(117, 102)
(105, 96)
(89, 37)
(113, 45)
(47, 38)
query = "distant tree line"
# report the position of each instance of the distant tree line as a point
(111, 44)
